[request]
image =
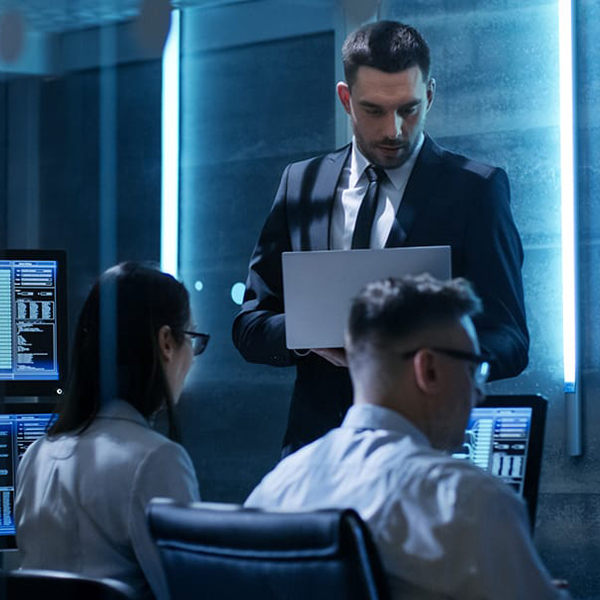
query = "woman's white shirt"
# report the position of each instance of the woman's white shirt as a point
(81, 499)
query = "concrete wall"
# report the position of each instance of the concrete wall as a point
(251, 103)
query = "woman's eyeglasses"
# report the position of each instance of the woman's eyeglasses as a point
(199, 341)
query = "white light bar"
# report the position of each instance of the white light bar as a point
(569, 227)
(169, 219)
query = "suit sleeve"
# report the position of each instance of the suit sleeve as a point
(494, 257)
(259, 328)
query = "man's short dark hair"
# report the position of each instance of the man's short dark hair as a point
(385, 45)
(392, 309)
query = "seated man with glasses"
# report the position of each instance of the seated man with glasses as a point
(443, 527)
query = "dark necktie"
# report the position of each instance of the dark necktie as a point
(366, 213)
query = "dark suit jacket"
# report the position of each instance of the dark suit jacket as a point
(449, 199)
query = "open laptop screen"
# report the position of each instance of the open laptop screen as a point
(319, 285)
(21, 424)
(505, 437)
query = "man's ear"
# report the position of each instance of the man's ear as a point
(426, 371)
(430, 92)
(343, 92)
(166, 343)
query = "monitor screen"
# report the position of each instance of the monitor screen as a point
(33, 322)
(20, 425)
(505, 437)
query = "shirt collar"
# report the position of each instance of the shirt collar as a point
(120, 409)
(370, 416)
(358, 164)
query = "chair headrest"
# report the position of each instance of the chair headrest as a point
(238, 528)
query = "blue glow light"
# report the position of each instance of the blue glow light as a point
(169, 220)
(237, 292)
(567, 182)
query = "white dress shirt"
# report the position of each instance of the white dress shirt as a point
(443, 527)
(350, 191)
(81, 499)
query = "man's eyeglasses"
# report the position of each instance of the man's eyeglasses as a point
(482, 366)
(199, 341)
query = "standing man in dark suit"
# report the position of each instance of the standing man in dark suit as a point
(426, 196)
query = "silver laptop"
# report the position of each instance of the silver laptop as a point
(318, 286)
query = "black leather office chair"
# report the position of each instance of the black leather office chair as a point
(225, 552)
(37, 584)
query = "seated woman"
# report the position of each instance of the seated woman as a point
(82, 490)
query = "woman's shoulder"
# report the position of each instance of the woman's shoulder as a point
(57, 446)
(134, 438)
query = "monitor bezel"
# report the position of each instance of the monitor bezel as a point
(533, 465)
(55, 387)
(9, 542)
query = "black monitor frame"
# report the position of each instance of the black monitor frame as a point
(533, 466)
(8, 541)
(42, 387)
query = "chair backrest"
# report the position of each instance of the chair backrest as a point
(225, 551)
(38, 584)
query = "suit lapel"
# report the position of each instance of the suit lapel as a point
(322, 196)
(421, 182)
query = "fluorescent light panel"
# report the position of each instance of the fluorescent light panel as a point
(572, 391)
(567, 179)
(169, 222)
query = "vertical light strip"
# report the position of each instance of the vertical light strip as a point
(569, 227)
(169, 219)
(108, 208)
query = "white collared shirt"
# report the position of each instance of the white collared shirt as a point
(350, 191)
(444, 528)
(81, 499)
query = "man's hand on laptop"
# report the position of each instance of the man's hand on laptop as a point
(336, 356)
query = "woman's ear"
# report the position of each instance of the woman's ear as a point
(427, 375)
(166, 343)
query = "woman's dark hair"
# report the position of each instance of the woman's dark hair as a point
(116, 351)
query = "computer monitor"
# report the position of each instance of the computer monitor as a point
(21, 423)
(505, 436)
(33, 322)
